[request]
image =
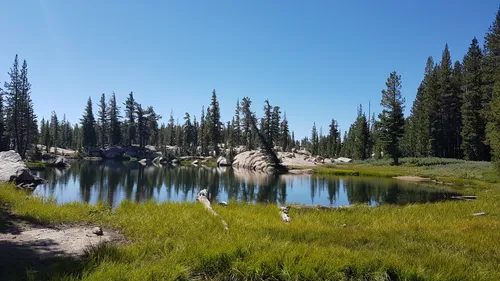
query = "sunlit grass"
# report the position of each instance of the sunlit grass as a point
(460, 172)
(182, 241)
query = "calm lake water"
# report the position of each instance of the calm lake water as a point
(112, 182)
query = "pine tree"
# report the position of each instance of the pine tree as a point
(142, 130)
(391, 118)
(13, 106)
(29, 125)
(417, 131)
(474, 124)
(152, 126)
(89, 136)
(493, 129)
(314, 140)
(46, 135)
(54, 131)
(285, 134)
(188, 137)
(265, 124)
(171, 129)
(333, 137)
(102, 115)
(275, 125)
(431, 109)
(115, 135)
(77, 138)
(201, 133)
(208, 132)
(215, 123)
(491, 99)
(449, 108)
(237, 123)
(130, 115)
(3, 141)
(246, 123)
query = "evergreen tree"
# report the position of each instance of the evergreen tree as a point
(188, 135)
(474, 124)
(236, 124)
(130, 115)
(333, 137)
(215, 123)
(54, 131)
(102, 115)
(3, 138)
(246, 123)
(46, 135)
(29, 125)
(115, 135)
(493, 129)
(13, 106)
(208, 132)
(417, 130)
(21, 124)
(314, 140)
(491, 99)
(391, 118)
(275, 125)
(449, 109)
(431, 109)
(77, 138)
(153, 130)
(89, 136)
(201, 134)
(285, 134)
(265, 125)
(171, 129)
(142, 130)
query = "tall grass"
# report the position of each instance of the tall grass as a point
(182, 241)
(451, 170)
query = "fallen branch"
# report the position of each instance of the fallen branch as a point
(465, 197)
(203, 198)
(284, 214)
(318, 207)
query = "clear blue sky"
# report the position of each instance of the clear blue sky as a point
(316, 59)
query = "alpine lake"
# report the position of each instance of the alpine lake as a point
(113, 182)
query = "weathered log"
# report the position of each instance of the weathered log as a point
(284, 214)
(318, 207)
(203, 198)
(464, 197)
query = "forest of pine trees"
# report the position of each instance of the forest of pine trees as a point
(455, 114)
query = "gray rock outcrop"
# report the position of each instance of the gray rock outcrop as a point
(58, 162)
(13, 169)
(222, 161)
(253, 160)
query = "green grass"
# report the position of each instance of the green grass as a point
(36, 165)
(447, 170)
(182, 241)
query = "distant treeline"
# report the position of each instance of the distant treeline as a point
(456, 114)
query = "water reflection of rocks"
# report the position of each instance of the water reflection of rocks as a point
(113, 182)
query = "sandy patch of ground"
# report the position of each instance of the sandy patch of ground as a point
(412, 178)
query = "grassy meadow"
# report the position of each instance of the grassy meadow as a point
(183, 241)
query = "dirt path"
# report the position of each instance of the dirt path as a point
(27, 247)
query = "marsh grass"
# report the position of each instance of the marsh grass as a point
(182, 241)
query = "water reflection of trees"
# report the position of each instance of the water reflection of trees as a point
(113, 181)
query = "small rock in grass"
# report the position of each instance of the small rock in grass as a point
(97, 231)
(223, 203)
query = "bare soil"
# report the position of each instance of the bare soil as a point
(26, 246)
